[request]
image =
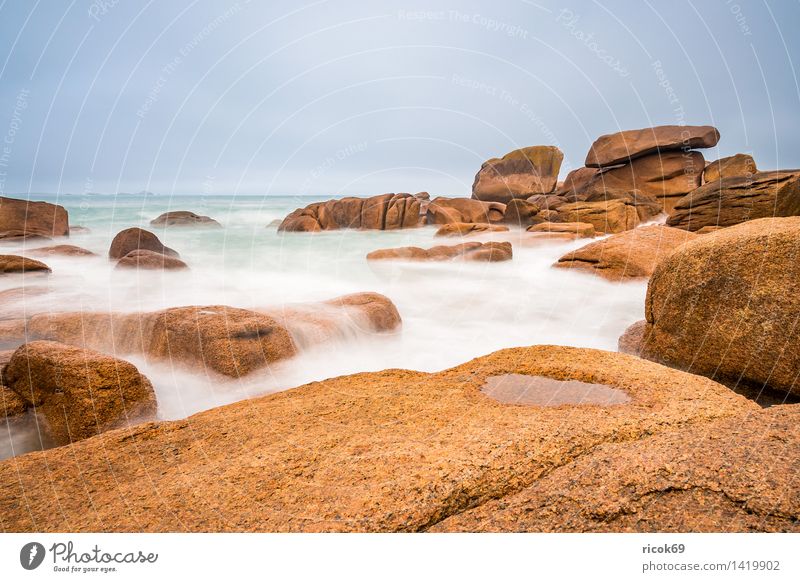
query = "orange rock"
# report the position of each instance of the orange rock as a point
(11, 264)
(469, 229)
(443, 210)
(518, 174)
(32, 219)
(134, 239)
(471, 251)
(621, 147)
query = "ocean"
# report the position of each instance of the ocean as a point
(452, 312)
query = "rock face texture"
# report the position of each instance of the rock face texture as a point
(184, 218)
(11, 404)
(607, 217)
(387, 451)
(150, 260)
(384, 212)
(135, 239)
(12, 264)
(443, 210)
(224, 340)
(624, 146)
(732, 475)
(630, 255)
(724, 305)
(731, 167)
(518, 174)
(21, 219)
(520, 212)
(469, 229)
(79, 392)
(665, 175)
(471, 251)
(735, 200)
(61, 250)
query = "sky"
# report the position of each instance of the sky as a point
(341, 97)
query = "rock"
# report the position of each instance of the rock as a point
(223, 340)
(629, 255)
(386, 451)
(665, 175)
(22, 218)
(735, 200)
(471, 251)
(549, 215)
(184, 218)
(446, 210)
(547, 201)
(520, 212)
(606, 217)
(630, 342)
(724, 306)
(134, 239)
(708, 229)
(79, 230)
(18, 236)
(10, 264)
(732, 475)
(519, 174)
(79, 392)
(11, 404)
(63, 250)
(730, 167)
(384, 212)
(150, 260)
(577, 229)
(469, 229)
(624, 146)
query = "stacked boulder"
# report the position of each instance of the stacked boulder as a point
(135, 248)
(642, 166)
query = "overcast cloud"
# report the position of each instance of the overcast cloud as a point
(334, 97)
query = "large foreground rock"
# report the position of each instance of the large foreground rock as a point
(725, 305)
(23, 219)
(224, 340)
(624, 146)
(735, 200)
(733, 475)
(14, 264)
(630, 255)
(470, 251)
(135, 239)
(79, 392)
(386, 451)
(443, 210)
(384, 212)
(518, 174)
(184, 218)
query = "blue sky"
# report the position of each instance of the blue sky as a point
(346, 97)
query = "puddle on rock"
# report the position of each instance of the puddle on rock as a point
(544, 391)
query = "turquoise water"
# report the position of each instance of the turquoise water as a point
(452, 312)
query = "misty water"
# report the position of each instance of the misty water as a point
(452, 312)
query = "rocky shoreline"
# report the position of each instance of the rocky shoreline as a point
(680, 449)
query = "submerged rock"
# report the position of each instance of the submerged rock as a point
(470, 251)
(223, 340)
(184, 218)
(28, 219)
(386, 451)
(79, 392)
(624, 146)
(725, 305)
(134, 239)
(63, 250)
(518, 174)
(150, 260)
(630, 255)
(13, 264)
